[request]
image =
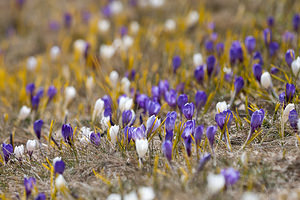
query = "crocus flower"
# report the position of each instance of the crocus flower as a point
(188, 110)
(210, 64)
(181, 101)
(189, 129)
(215, 182)
(199, 74)
(7, 150)
(296, 22)
(59, 166)
(30, 89)
(29, 184)
(98, 108)
(113, 78)
(198, 134)
(167, 149)
(257, 56)
(35, 101)
(67, 20)
(141, 101)
(270, 21)
(176, 61)
(220, 48)
(257, 71)
(210, 134)
(24, 112)
(293, 119)
(223, 117)
(51, 92)
(155, 93)
(31, 145)
(141, 147)
(37, 127)
(236, 53)
(267, 36)
(257, 120)
(113, 133)
(273, 47)
(70, 93)
(163, 86)
(128, 131)
(209, 45)
(250, 43)
(95, 138)
(125, 103)
(290, 90)
(170, 125)
(150, 124)
(60, 182)
(200, 99)
(41, 196)
(296, 66)
(288, 37)
(231, 176)
(238, 84)
(289, 56)
(19, 151)
(274, 70)
(67, 133)
(188, 145)
(205, 158)
(266, 80)
(197, 59)
(171, 97)
(128, 117)
(139, 133)
(281, 97)
(152, 107)
(221, 106)
(286, 112)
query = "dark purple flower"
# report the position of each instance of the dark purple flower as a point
(293, 119)
(210, 64)
(163, 87)
(176, 61)
(30, 88)
(188, 110)
(200, 99)
(155, 93)
(153, 107)
(210, 134)
(40, 92)
(273, 47)
(257, 56)
(107, 101)
(59, 167)
(209, 45)
(127, 117)
(167, 149)
(220, 49)
(29, 184)
(51, 92)
(238, 84)
(68, 20)
(40, 196)
(282, 97)
(170, 125)
(289, 56)
(223, 117)
(257, 119)
(274, 70)
(7, 150)
(267, 36)
(171, 97)
(270, 21)
(35, 101)
(205, 158)
(95, 138)
(290, 90)
(250, 44)
(37, 127)
(182, 99)
(67, 133)
(199, 74)
(236, 53)
(107, 112)
(257, 71)
(198, 134)
(188, 145)
(231, 176)
(141, 101)
(296, 22)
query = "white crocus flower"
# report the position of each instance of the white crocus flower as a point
(131, 196)
(192, 18)
(127, 42)
(141, 147)
(221, 106)
(215, 182)
(134, 27)
(79, 46)
(296, 66)
(31, 145)
(197, 59)
(125, 103)
(107, 51)
(287, 111)
(86, 132)
(98, 109)
(170, 25)
(113, 132)
(24, 112)
(70, 93)
(103, 25)
(60, 182)
(114, 197)
(54, 52)
(116, 7)
(19, 151)
(113, 78)
(104, 122)
(89, 84)
(31, 63)
(125, 84)
(146, 193)
(266, 80)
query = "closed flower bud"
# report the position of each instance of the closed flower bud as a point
(141, 147)
(231, 176)
(7, 150)
(70, 93)
(188, 110)
(181, 101)
(238, 84)
(54, 52)
(266, 80)
(257, 71)
(113, 78)
(286, 112)
(107, 51)
(170, 25)
(79, 46)
(19, 151)
(151, 125)
(31, 63)
(289, 56)
(192, 18)
(197, 59)
(31, 145)
(215, 182)
(59, 166)
(296, 66)
(125, 85)
(176, 61)
(199, 74)
(98, 108)
(113, 132)
(60, 182)
(200, 99)
(293, 119)
(250, 43)
(134, 27)
(24, 112)
(125, 103)
(103, 25)
(37, 127)
(95, 138)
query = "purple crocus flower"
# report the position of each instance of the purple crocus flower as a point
(293, 119)
(220, 49)
(7, 150)
(222, 117)
(51, 92)
(30, 88)
(40, 92)
(123, 31)
(59, 167)
(282, 97)
(209, 45)
(288, 37)
(171, 97)
(37, 127)
(274, 70)
(141, 101)
(35, 101)
(41, 196)
(188, 145)
(257, 56)
(290, 90)
(54, 25)
(270, 21)
(139, 133)
(289, 57)
(210, 64)
(181, 101)
(106, 11)
(238, 84)
(155, 93)
(85, 16)
(200, 99)
(273, 47)
(107, 101)
(128, 132)
(205, 158)
(250, 43)
(257, 71)
(180, 87)
(67, 133)
(257, 119)
(228, 76)
(176, 61)
(267, 36)
(189, 129)
(152, 107)
(107, 112)
(231, 176)
(188, 110)
(296, 22)
(198, 134)
(29, 184)
(68, 20)
(163, 86)
(236, 53)
(95, 138)
(167, 149)
(199, 74)
(170, 125)
(210, 134)
(127, 117)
